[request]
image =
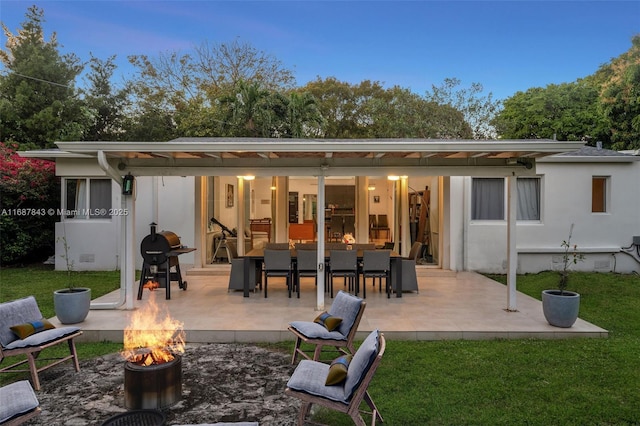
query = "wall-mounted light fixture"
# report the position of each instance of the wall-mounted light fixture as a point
(248, 177)
(394, 178)
(371, 187)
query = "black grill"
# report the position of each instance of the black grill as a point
(160, 251)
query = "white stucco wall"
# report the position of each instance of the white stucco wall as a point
(565, 200)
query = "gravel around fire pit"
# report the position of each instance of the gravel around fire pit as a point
(220, 383)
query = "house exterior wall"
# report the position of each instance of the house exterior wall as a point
(565, 199)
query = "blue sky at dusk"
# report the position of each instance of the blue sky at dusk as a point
(507, 46)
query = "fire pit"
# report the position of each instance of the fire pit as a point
(155, 386)
(153, 363)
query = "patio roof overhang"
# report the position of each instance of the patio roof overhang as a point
(316, 157)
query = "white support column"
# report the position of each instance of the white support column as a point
(129, 253)
(403, 216)
(281, 219)
(362, 209)
(321, 238)
(240, 216)
(512, 254)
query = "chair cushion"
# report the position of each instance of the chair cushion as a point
(16, 312)
(32, 327)
(42, 337)
(313, 330)
(347, 307)
(309, 377)
(338, 370)
(361, 362)
(328, 321)
(17, 398)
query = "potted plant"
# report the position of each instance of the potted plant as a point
(71, 304)
(561, 306)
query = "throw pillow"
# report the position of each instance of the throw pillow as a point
(330, 322)
(27, 329)
(338, 370)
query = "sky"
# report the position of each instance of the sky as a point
(507, 46)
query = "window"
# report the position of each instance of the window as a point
(528, 198)
(599, 194)
(487, 199)
(94, 203)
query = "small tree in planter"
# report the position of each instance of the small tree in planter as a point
(71, 304)
(561, 306)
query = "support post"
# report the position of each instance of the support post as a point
(512, 253)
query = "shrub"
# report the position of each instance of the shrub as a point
(29, 199)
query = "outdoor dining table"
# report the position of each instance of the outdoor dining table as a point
(254, 259)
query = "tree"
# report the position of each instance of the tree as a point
(38, 102)
(567, 111)
(620, 97)
(247, 111)
(301, 117)
(188, 87)
(106, 105)
(400, 113)
(478, 110)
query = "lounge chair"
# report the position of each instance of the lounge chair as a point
(345, 306)
(18, 403)
(308, 383)
(23, 317)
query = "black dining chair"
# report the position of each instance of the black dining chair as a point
(376, 264)
(344, 263)
(277, 263)
(306, 265)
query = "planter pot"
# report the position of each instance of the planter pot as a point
(560, 310)
(72, 305)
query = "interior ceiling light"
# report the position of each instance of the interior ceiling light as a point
(393, 177)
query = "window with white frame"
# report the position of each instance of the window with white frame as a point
(528, 198)
(86, 198)
(487, 199)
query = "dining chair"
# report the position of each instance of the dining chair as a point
(373, 224)
(306, 265)
(383, 225)
(344, 263)
(236, 276)
(277, 263)
(376, 264)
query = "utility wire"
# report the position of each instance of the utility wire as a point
(41, 80)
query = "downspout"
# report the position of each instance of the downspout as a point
(115, 176)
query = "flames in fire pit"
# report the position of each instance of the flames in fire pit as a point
(153, 342)
(152, 337)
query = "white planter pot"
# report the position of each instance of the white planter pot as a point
(560, 310)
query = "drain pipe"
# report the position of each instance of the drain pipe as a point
(115, 176)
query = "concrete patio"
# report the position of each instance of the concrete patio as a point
(449, 305)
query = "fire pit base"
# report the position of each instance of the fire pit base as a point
(137, 418)
(154, 386)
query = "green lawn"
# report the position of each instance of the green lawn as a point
(576, 381)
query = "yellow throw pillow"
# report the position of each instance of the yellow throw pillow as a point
(338, 370)
(27, 329)
(328, 321)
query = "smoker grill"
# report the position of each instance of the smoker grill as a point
(160, 251)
